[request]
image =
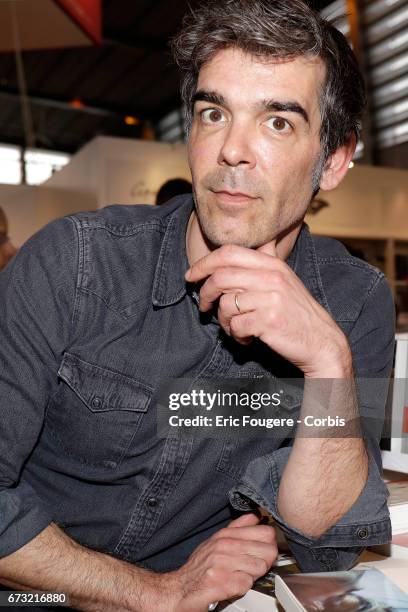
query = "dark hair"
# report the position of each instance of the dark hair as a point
(281, 29)
(171, 188)
(3, 222)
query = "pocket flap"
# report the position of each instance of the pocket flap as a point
(102, 389)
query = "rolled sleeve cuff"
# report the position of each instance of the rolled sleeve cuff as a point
(366, 523)
(22, 517)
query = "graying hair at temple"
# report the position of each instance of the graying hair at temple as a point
(282, 29)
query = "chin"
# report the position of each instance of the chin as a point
(218, 239)
(220, 230)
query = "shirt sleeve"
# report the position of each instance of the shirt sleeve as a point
(37, 292)
(367, 522)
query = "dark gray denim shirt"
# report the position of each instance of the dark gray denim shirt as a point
(95, 313)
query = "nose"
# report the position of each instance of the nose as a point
(237, 146)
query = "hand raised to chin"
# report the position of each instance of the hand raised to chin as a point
(258, 295)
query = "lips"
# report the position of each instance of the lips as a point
(239, 195)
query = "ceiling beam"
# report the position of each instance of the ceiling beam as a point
(58, 146)
(137, 42)
(91, 109)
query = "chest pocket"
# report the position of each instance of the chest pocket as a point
(96, 413)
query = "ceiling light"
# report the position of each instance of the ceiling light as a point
(77, 103)
(129, 120)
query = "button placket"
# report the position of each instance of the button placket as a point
(174, 458)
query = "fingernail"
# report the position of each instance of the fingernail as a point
(187, 274)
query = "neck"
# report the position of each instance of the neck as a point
(197, 246)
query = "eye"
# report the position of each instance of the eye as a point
(212, 115)
(278, 124)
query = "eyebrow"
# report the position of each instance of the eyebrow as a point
(209, 96)
(285, 107)
(214, 97)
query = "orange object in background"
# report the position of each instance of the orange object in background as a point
(51, 24)
(87, 14)
(405, 421)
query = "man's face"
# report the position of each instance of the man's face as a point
(254, 145)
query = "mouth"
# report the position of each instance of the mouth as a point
(234, 197)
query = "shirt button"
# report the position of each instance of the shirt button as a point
(96, 402)
(151, 502)
(362, 533)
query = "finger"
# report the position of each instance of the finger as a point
(245, 326)
(250, 564)
(265, 534)
(231, 280)
(223, 281)
(216, 584)
(269, 248)
(240, 584)
(234, 547)
(233, 584)
(228, 308)
(244, 520)
(258, 310)
(230, 256)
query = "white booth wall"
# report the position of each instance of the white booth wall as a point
(29, 208)
(370, 202)
(105, 171)
(121, 171)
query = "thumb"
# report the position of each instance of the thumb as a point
(245, 520)
(269, 248)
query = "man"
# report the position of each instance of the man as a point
(97, 313)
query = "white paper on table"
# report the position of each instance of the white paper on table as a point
(253, 601)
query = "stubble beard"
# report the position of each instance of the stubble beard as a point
(246, 234)
(264, 229)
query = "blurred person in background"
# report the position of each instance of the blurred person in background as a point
(172, 188)
(7, 248)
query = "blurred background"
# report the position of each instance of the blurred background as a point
(90, 114)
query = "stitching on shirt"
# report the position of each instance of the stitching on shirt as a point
(374, 284)
(108, 305)
(351, 262)
(318, 278)
(96, 370)
(80, 270)
(124, 229)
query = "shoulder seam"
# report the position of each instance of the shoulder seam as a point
(376, 281)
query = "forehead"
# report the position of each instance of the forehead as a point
(244, 79)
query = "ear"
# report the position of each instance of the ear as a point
(337, 165)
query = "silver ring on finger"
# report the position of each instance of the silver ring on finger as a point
(237, 303)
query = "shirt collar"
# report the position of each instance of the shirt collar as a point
(169, 286)
(303, 261)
